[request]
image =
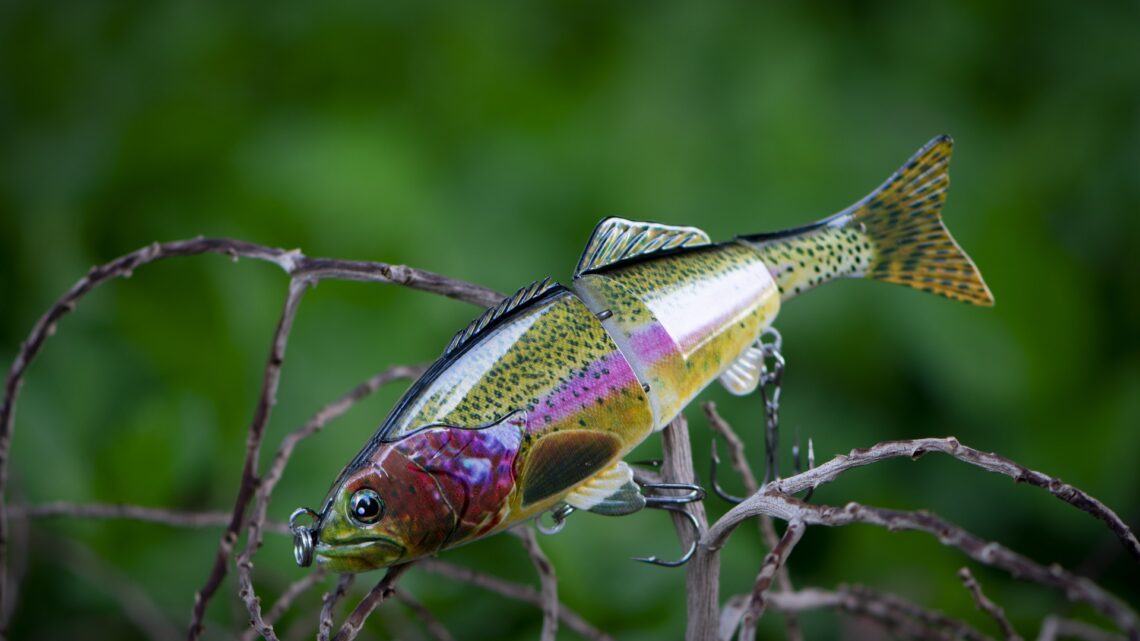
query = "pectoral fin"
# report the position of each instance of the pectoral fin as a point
(561, 460)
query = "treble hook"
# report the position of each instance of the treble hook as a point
(799, 466)
(731, 498)
(672, 503)
(653, 560)
(694, 493)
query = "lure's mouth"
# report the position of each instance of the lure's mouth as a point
(359, 554)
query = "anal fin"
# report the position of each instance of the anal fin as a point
(743, 376)
(611, 492)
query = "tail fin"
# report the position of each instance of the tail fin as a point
(895, 234)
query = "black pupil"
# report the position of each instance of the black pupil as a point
(366, 506)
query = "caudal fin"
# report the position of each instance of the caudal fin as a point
(895, 234)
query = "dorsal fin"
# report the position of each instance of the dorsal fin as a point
(617, 239)
(505, 306)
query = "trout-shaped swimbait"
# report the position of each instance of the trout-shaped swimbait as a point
(534, 405)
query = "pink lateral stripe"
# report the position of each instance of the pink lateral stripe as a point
(653, 343)
(613, 373)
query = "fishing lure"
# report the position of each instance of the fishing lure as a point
(533, 406)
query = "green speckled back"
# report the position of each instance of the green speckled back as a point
(537, 361)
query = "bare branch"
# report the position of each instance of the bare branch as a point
(377, 595)
(301, 268)
(283, 603)
(313, 269)
(1075, 588)
(547, 579)
(323, 417)
(269, 481)
(767, 527)
(330, 599)
(988, 606)
(1054, 628)
(516, 591)
(249, 480)
(702, 572)
(735, 447)
(775, 500)
(434, 628)
(773, 562)
(916, 448)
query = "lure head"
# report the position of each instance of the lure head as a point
(400, 500)
(381, 513)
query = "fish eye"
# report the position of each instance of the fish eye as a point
(366, 507)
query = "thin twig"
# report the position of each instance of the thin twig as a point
(284, 602)
(434, 628)
(782, 506)
(377, 595)
(916, 448)
(293, 262)
(516, 591)
(774, 561)
(767, 527)
(702, 572)
(735, 447)
(127, 511)
(775, 500)
(269, 482)
(547, 580)
(986, 605)
(314, 269)
(249, 479)
(324, 628)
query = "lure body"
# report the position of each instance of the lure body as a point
(537, 402)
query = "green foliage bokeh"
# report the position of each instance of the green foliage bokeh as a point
(484, 143)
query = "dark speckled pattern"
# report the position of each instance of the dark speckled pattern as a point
(895, 234)
(523, 365)
(548, 396)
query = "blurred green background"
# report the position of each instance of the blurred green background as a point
(484, 142)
